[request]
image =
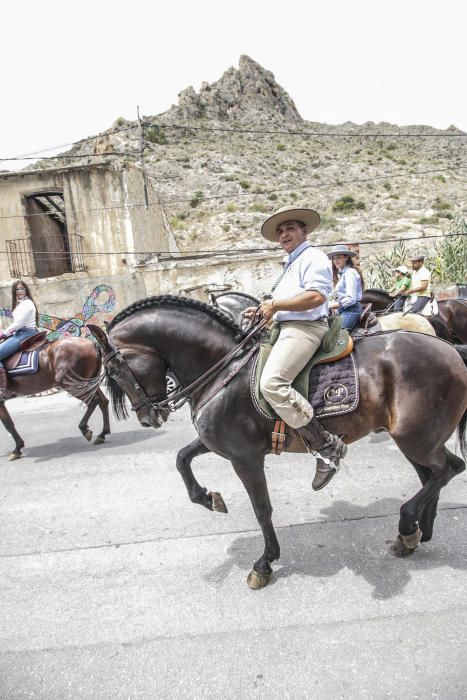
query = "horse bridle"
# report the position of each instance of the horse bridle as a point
(178, 398)
(146, 400)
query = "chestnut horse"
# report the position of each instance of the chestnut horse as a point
(74, 364)
(187, 337)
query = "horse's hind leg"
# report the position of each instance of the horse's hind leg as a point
(10, 428)
(103, 402)
(420, 511)
(83, 424)
(428, 515)
(198, 494)
(99, 399)
(254, 480)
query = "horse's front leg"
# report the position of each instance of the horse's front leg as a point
(253, 478)
(198, 494)
(10, 428)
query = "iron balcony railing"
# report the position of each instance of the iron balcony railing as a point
(45, 256)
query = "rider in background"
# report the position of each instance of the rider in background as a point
(402, 284)
(348, 287)
(420, 291)
(25, 320)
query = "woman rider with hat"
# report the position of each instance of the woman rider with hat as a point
(348, 283)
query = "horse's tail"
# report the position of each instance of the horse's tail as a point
(118, 399)
(462, 427)
(462, 434)
(462, 350)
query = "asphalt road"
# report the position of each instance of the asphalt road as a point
(113, 585)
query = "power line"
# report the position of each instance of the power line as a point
(239, 251)
(287, 132)
(73, 157)
(72, 143)
(316, 185)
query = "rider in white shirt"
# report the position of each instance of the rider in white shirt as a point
(24, 325)
(300, 304)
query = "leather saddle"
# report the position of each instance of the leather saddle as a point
(368, 318)
(34, 342)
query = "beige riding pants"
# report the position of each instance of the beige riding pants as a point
(297, 343)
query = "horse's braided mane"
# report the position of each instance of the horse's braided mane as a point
(170, 300)
(378, 291)
(237, 294)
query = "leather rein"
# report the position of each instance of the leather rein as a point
(177, 398)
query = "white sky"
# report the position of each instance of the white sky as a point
(69, 69)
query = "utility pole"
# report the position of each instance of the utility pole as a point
(141, 154)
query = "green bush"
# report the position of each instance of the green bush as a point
(439, 205)
(196, 199)
(231, 207)
(272, 196)
(347, 204)
(259, 206)
(428, 220)
(448, 260)
(244, 184)
(280, 147)
(155, 135)
(378, 272)
(176, 223)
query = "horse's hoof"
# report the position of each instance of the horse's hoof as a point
(88, 435)
(400, 549)
(256, 581)
(99, 440)
(14, 455)
(217, 501)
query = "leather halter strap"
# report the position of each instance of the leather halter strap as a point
(178, 398)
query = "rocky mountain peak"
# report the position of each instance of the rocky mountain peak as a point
(242, 94)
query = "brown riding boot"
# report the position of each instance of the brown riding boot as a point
(329, 446)
(5, 393)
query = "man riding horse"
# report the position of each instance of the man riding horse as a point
(300, 304)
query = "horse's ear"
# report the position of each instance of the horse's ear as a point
(99, 335)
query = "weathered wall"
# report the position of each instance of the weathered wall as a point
(65, 296)
(96, 202)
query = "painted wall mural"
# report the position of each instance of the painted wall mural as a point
(102, 300)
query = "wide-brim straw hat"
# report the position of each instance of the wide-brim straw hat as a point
(341, 249)
(309, 217)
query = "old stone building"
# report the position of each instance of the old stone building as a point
(69, 230)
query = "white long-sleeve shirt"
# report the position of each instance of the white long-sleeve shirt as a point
(24, 316)
(306, 269)
(349, 287)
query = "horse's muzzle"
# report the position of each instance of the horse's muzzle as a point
(152, 418)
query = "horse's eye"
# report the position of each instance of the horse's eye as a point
(114, 373)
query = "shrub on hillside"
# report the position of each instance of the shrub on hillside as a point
(347, 204)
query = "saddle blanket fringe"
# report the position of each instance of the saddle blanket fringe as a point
(28, 364)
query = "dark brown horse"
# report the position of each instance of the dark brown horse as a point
(453, 312)
(188, 337)
(69, 363)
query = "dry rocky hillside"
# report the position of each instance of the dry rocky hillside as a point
(224, 158)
